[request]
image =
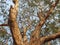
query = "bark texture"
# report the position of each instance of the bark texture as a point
(36, 33)
(17, 38)
(35, 37)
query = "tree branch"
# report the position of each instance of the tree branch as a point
(16, 34)
(25, 30)
(51, 37)
(36, 33)
(3, 24)
(41, 16)
(50, 11)
(41, 23)
(24, 36)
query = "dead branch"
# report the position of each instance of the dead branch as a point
(3, 24)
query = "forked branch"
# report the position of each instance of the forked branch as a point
(36, 33)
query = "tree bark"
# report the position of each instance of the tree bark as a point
(51, 37)
(35, 38)
(17, 38)
(36, 33)
(3, 24)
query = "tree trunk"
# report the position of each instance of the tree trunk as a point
(17, 39)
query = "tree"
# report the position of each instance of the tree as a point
(35, 38)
